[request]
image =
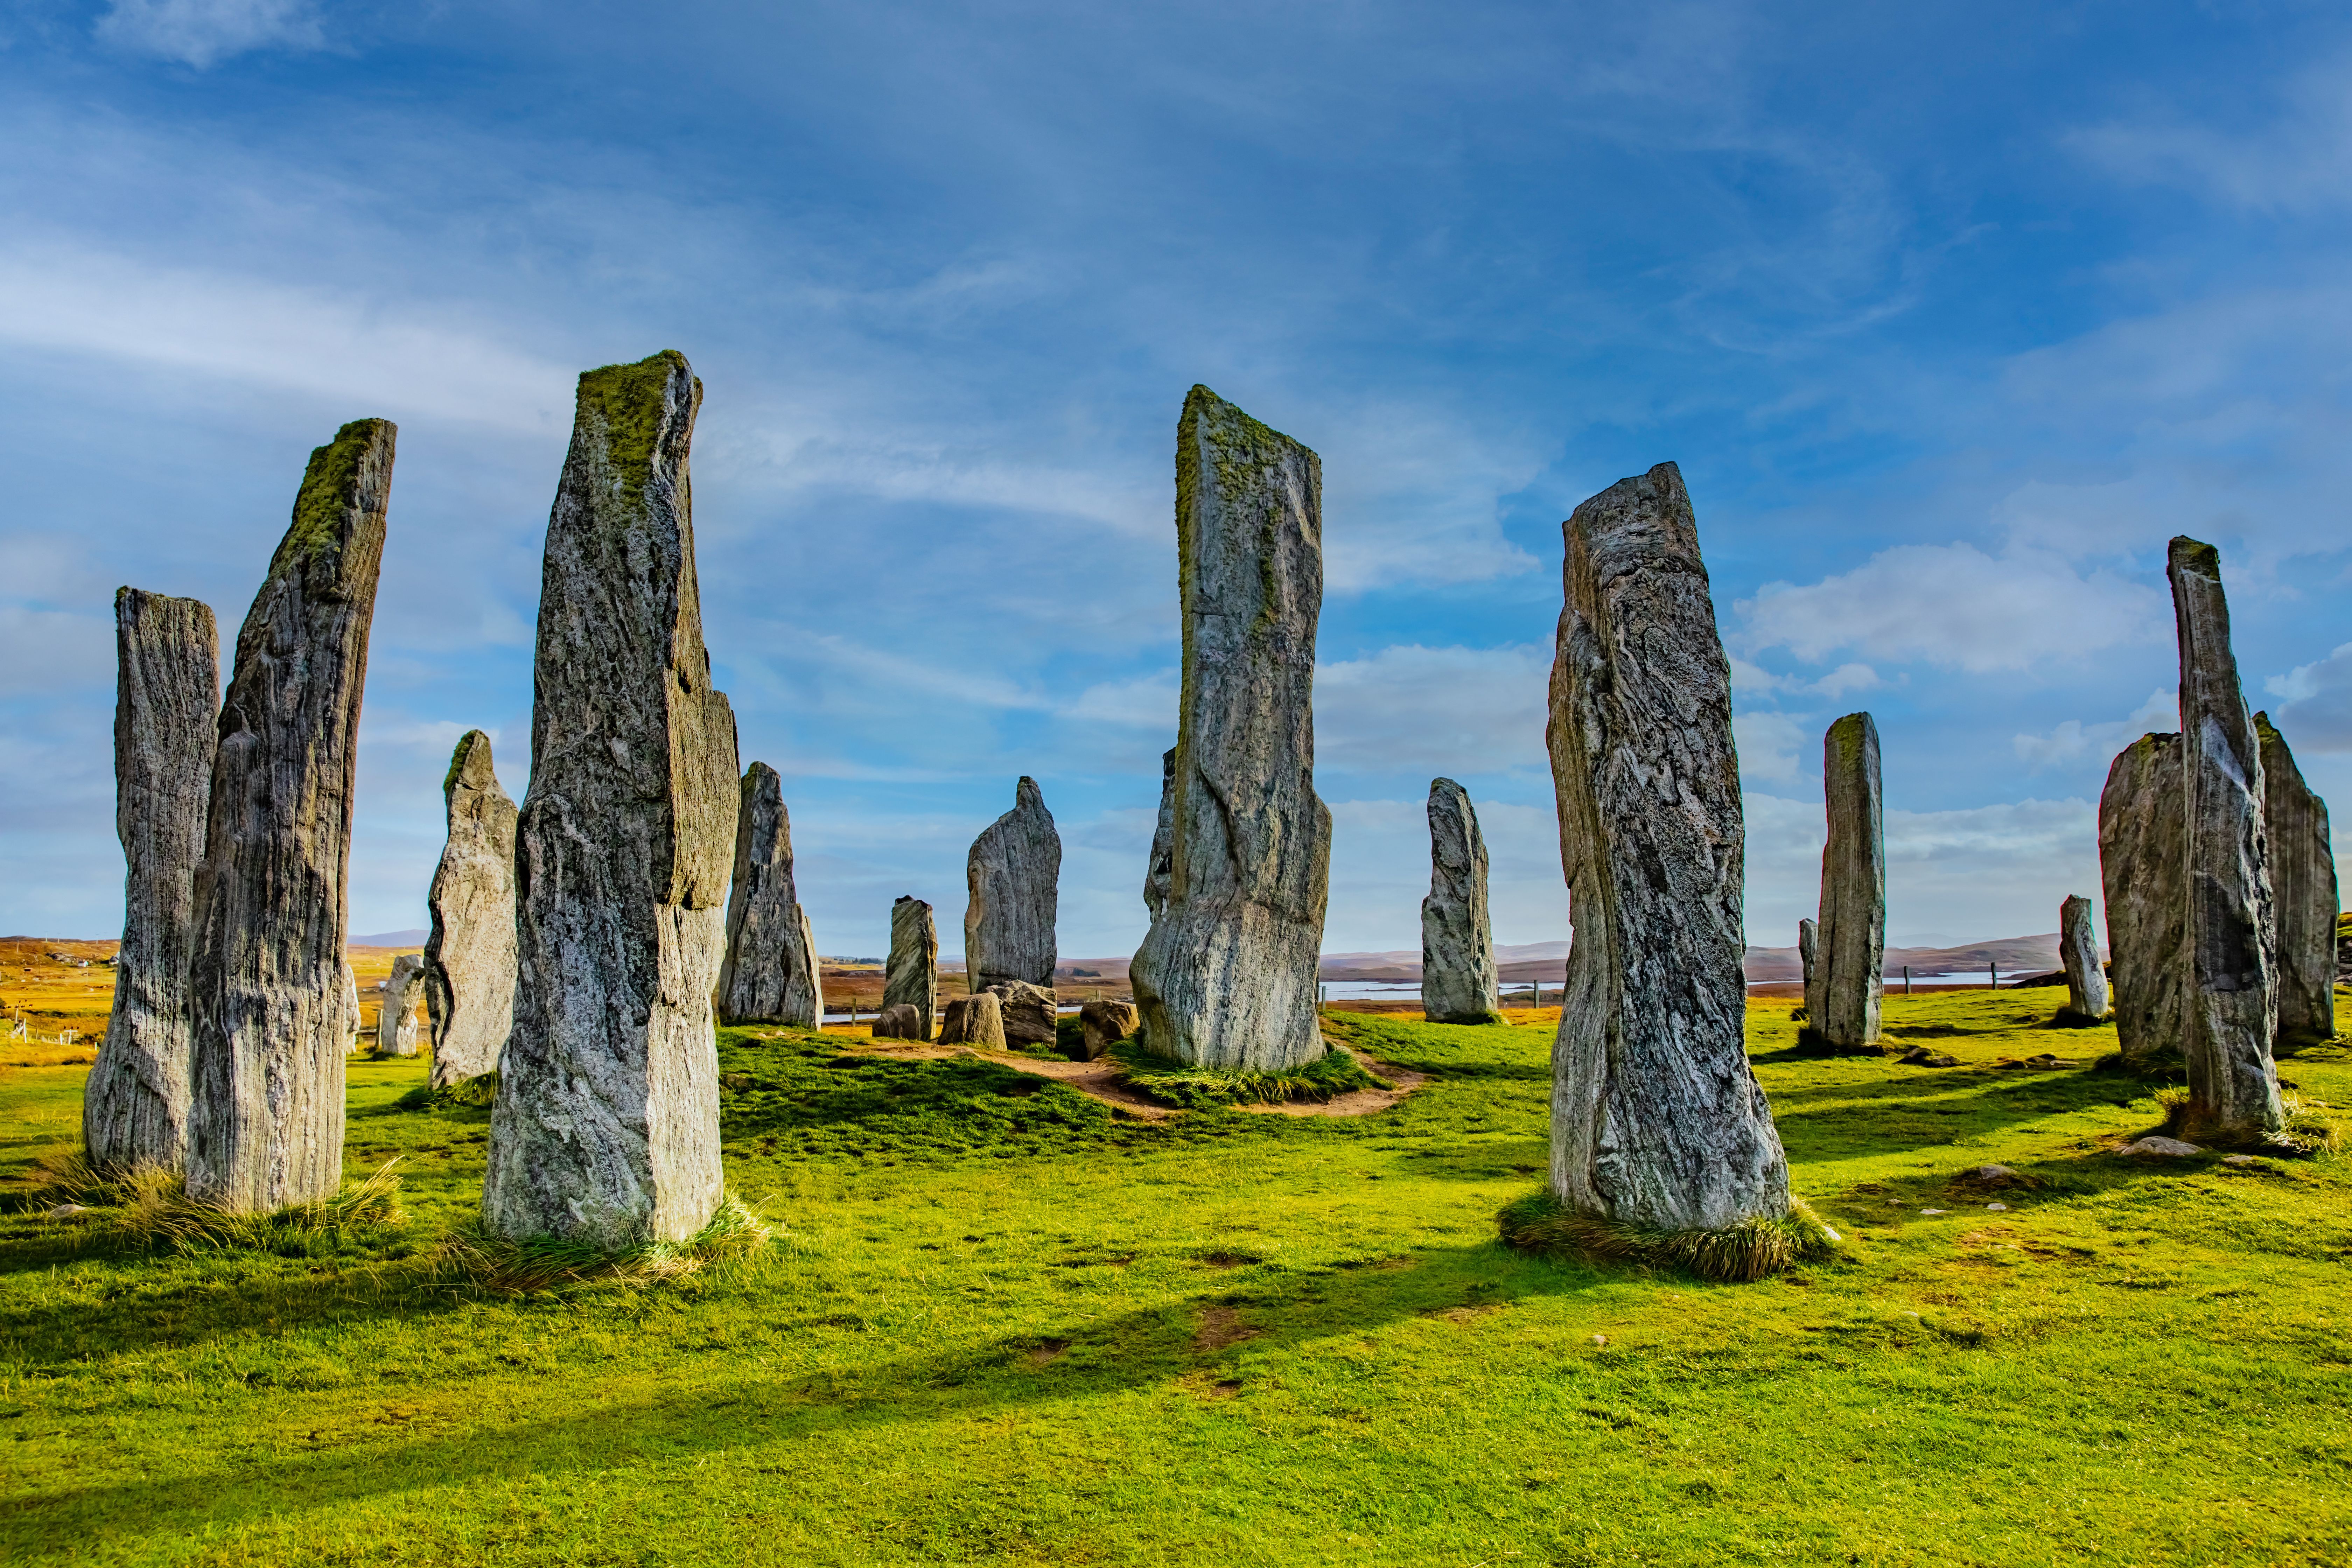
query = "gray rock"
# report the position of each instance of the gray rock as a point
(2078, 951)
(1014, 873)
(2143, 850)
(350, 1009)
(395, 1018)
(1842, 997)
(167, 719)
(469, 958)
(2161, 1148)
(605, 1127)
(266, 1106)
(912, 977)
(900, 1021)
(1655, 1118)
(2302, 886)
(1161, 874)
(1808, 943)
(1028, 1012)
(1102, 1024)
(771, 975)
(1226, 976)
(1458, 976)
(1990, 1175)
(2230, 946)
(973, 1020)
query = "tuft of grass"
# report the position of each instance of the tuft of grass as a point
(149, 1209)
(1330, 1076)
(1737, 1254)
(2304, 1131)
(546, 1263)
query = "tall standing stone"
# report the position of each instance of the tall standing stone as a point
(395, 1017)
(1458, 976)
(2303, 886)
(1014, 874)
(266, 1109)
(1226, 976)
(166, 714)
(469, 958)
(2078, 954)
(2143, 849)
(1161, 873)
(771, 975)
(912, 977)
(1808, 942)
(1842, 998)
(605, 1127)
(1656, 1121)
(2231, 945)
(350, 1009)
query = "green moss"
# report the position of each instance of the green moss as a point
(2195, 555)
(330, 487)
(631, 401)
(1322, 1081)
(465, 747)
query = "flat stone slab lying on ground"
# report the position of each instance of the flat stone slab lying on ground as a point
(2166, 1148)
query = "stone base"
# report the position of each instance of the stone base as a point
(1735, 1254)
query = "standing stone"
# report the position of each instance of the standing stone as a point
(1028, 1012)
(1458, 976)
(605, 1127)
(913, 975)
(771, 973)
(2231, 945)
(1842, 997)
(166, 712)
(974, 1020)
(1655, 1118)
(1014, 874)
(1809, 937)
(265, 1110)
(2078, 954)
(395, 1017)
(350, 1009)
(1161, 873)
(1226, 976)
(469, 958)
(2302, 884)
(2143, 842)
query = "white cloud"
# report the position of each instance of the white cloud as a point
(1379, 873)
(200, 31)
(1767, 744)
(1448, 710)
(2293, 163)
(2074, 740)
(2315, 709)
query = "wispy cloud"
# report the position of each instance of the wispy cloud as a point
(201, 33)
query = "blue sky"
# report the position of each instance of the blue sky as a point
(1951, 314)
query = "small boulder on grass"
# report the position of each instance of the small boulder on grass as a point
(1028, 1012)
(1921, 1056)
(900, 1021)
(975, 1020)
(1102, 1024)
(2160, 1148)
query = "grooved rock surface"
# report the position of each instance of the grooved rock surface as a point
(605, 1128)
(1808, 942)
(1458, 976)
(912, 977)
(1102, 1024)
(1028, 1012)
(1842, 995)
(167, 719)
(2143, 849)
(2231, 983)
(973, 1020)
(469, 958)
(350, 1010)
(1014, 874)
(1656, 1119)
(2302, 886)
(266, 1106)
(2078, 954)
(900, 1021)
(770, 973)
(1226, 976)
(1161, 873)
(396, 1020)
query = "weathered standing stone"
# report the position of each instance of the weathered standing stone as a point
(1014, 874)
(2078, 954)
(974, 1020)
(1458, 976)
(2303, 886)
(395, 1018)
(166, 716)
(1161, 873)
(605, 1127)
(1028, 1012)
(1809, 940)
(469, 958)
(350, 1009)
(1655, 1118)
(900, 1021)
(266, 1108)
(1102, 1024)
(913, 975)
(1842, 998)
(770, 975)
(2230, 946)
(2143, 845)
(1226, 976)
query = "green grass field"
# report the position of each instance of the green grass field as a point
(1001, 1325)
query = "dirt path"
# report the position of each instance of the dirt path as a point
(1102, 1080)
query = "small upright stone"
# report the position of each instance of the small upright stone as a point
(166, 716)
(1842, 1001)
(2230, 947)
(1226, 976)
(266, 1106)
(2078, 954)
(469, 958)
(770, 975)
(1808, 939)
(1458, 976)
(912, 978)
(395, 1019)
(350, 1009)
(1014, 874)
(973, 1020)
(1028, 1012)
(1102, 1024)
(2302, 884)
(1161, 872)
(899, 1021)
(2143, 851)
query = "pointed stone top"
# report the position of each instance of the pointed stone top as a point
(646, 412)
(347, 480)
(469, 764)
(1026, 795)
(762, 778)
(1448, 786)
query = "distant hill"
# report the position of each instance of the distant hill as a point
(390, 938)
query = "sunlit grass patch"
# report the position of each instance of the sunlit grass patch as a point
(538, 1264)
(1735, 1253)
(1335, 1072)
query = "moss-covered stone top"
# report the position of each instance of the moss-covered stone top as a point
(631, 400)
(466, 743)
(331, 488)
(2196, 555)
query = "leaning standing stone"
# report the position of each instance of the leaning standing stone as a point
(913, 975)
(1014, 875)
(605, 1128)
(1226, 976)
(166, 712)
(350, 1009)
(2230, 950)
(2143, 849)
(1850, 946)
(2302, 883)
(1458, 976)
(1161, 872)
(2078, 954)
(469, 958)
(1656, 1121)
(1809, 937)
(265, 1110)
(395, 1018)
(770, 975)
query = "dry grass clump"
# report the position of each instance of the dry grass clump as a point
(1735, 1253)
(545, 1263)
(150, 1207)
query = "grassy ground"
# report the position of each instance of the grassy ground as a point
(1005, 1325)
